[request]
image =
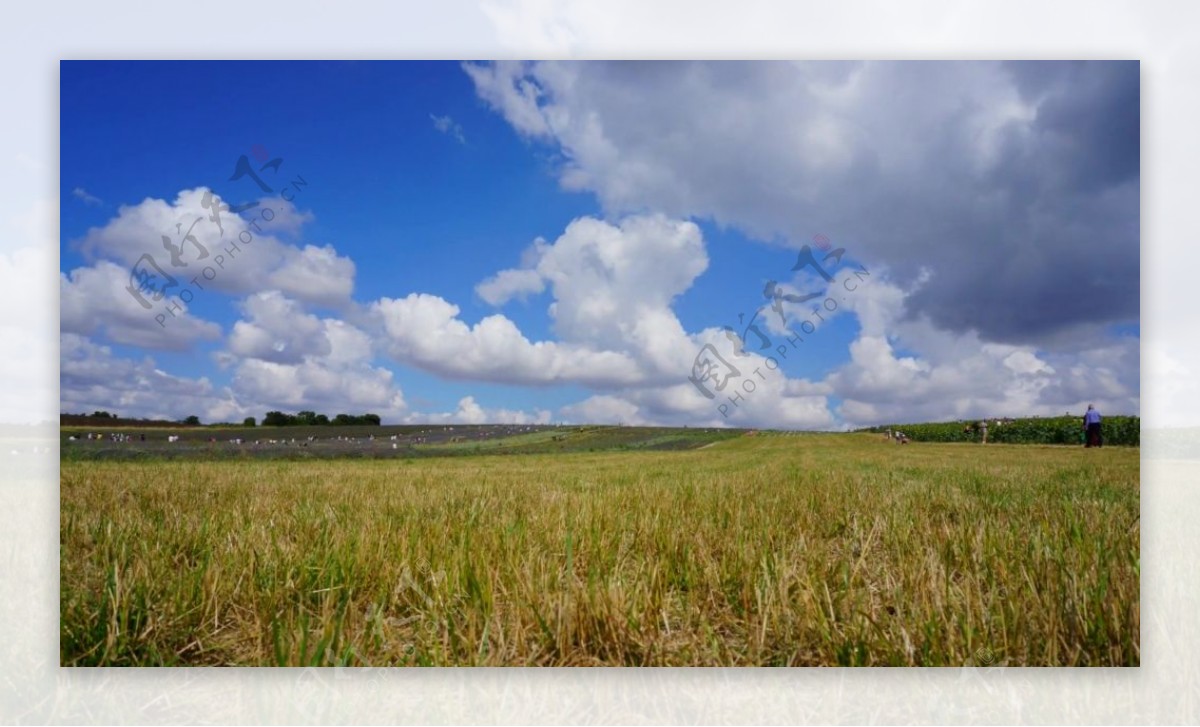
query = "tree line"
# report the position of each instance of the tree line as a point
(310, 418)
(1067, 429)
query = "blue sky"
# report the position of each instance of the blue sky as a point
(386, 187)
(664, 197)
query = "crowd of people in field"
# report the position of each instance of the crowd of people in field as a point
(438, 435)
(111, 437)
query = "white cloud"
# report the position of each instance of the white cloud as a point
(1026, 362)
(607, 278)
(280, 357)
(508, 284)
(769, 148)
(604, 409)
(425, 331)
(449, 126)
(93, 378)
(994, 176)
(317, 275)
(309, 273)
(949, 375)
(277, 331)
(768, 402)
(613, 286)
(320, 386)
(940, 375)
(470, 412)
(95, 301)
(286, 358)
(504, 85)
(87, 198)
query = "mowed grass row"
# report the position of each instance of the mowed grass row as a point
(806, 550)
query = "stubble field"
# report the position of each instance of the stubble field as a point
(758, 550)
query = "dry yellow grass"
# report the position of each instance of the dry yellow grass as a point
(771, 550)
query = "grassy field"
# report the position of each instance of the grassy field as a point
(758, 550)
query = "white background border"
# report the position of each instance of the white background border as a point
(35, 36)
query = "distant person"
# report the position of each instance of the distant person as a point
(983, 430)
(1091, 426)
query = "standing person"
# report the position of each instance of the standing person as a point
(1091, 425)
(983, 430)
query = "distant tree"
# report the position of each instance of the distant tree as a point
(367, 419)
(277, 419)
(306, 417)
(248, 422)
(102, 415)
(192, 421)
(322, 419)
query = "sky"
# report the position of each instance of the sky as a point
(820, 245)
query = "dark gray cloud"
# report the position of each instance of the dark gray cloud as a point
(1065, 249)
(1013, 188)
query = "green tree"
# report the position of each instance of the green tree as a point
(192, 421)
(248, 422)
(278, 419)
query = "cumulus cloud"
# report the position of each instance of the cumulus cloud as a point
(187, 256)
(748, 389)
(277, 331)
(470, 412)
(1014, 186)
(613, 286)
(320, 386)
(607, 278)
(947, 375)
(604, 409)
(279, 357)
(508, 284)
(770, 400)
(310, 273)
(95, 301)
(92, 377)
(425, 330)
(286, 358)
